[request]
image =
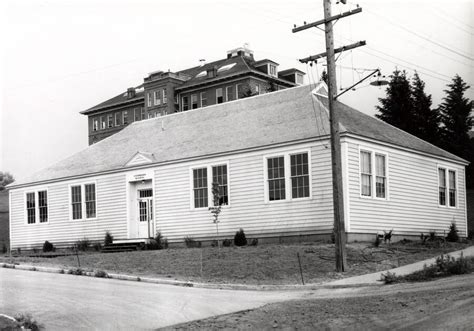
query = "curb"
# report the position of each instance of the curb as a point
(171, 282)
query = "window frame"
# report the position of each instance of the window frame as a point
(373, 185)
(125, 117)
(447, 170)
(288, 184)
(221, 96)
(118, 119)
(194, 96)
(231, 89)
(183, 103)
(201, 99)
(83, 201)
(36, 192)
(95, 124)
(149, 101)
(157, 98)
(210, 199)
(165, 96)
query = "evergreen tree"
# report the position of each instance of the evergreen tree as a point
(425, 123)
(397, 106)
(456, 123)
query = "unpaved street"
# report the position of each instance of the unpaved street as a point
(446, 304)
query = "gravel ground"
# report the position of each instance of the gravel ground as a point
(439, 305)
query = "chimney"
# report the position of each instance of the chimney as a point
(130, 93)
(240, 51)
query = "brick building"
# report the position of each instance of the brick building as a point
(162, 93)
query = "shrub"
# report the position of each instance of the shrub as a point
(432, 235)
(101, 274)
(377, 240)
(239, 238)
(97, 246)
(83, 244)
(453, 233)
(191, 243)
(48, 247)
(61, 271)
(77, 272)
(254, 242)
(389, 277)
(109, 239)
(165, 243)
(27, 322)
(227, 243)
(159, 242)
(214, 243)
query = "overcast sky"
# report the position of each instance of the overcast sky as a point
(61, 57)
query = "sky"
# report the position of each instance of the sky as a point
(61, 57)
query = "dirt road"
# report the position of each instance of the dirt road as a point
(438, 305)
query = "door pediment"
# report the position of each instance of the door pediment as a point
(140, 158)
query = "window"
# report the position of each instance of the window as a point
(452, 188)
(90, 200)
(229, 92)
(83, 201)
(366, 173)
(299, 175)
(194, 101)
(110, 120)
(219, 97)
(273, 70)
(447, 190)
(203, 99)
(151, 114)
(373, 174)
(102, 122)
(165, 96)
(142, 113)
(200, 188)
(380, 176)
(125, 117)
(299, 79)
(43, 206)
(185, 102)
(30, 208)
(239, 91)
(95, 125)
(148, 99)
(257, 89)
(136, 112)
(276, 178)
(117, 119)
(219, 176)
(157, 98)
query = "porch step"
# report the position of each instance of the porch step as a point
(125, 245)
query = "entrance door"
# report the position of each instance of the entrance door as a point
(145, 213)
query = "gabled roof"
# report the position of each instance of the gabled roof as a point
(286, 116)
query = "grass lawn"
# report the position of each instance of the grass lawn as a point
(264, 264)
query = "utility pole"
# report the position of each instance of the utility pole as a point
(336, 162)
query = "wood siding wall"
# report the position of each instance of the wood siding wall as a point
(60, 229)
(175, 218)
(412, 204)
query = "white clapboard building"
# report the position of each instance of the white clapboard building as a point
(270, 155)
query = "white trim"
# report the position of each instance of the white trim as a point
(209, 167)
(200, 99)
(447, 169)
(288, 187)
(222, 96)
(83, 201)
(35, 191)
(345, 184)
(227, 92)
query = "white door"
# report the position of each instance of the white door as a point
(145, 213)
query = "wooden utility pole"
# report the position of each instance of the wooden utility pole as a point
(336, 161)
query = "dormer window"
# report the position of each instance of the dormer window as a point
(211, 73)
(272, 70)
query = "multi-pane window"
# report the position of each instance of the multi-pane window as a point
(442, 186)
(110, 120)
(95, 125)
(452, 188)
(102, 122)
(76, 202)
(229, 92)
(90, 200)
(380, 176)
(43, 206)
(219, 176)
(194, 101)
(30, 208)
(200, 187)
(157, 97)
(125, 117)
(273, 70)
(276, 178)
(83, 201)
(299, 175)
(185, 102)
(165, 96)
(203, 99)
(142, 113)
(257, 89)
(219, 96)
(148, 96)
(136, 112)
(366, 173)
(118, 120)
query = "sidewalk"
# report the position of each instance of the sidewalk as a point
(357, 281)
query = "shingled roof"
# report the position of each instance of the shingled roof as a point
(289, 115)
